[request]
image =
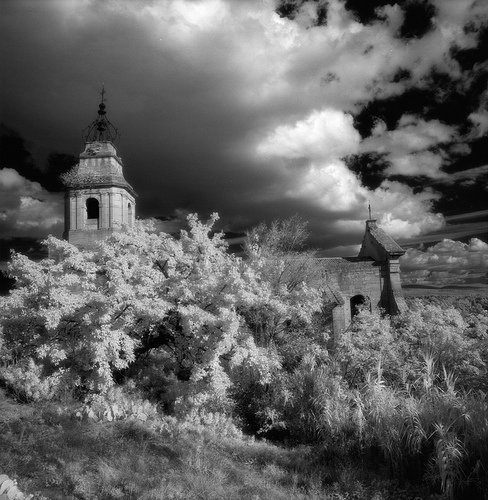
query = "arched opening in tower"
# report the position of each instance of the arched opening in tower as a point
(356, 302)
(92, 211)
(129, 213)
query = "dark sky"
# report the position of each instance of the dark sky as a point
(259, 110)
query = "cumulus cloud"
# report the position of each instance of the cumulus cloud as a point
(403, 213)
(27, 209)
(409, 147)
(480, 122)
(323, 135)
(331, 186)
(324, 183)
(446, 262)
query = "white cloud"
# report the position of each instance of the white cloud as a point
(468, 176)
(403, 214)
(480, 122)
(323, 135)
(330, 186)
(425, 163)
(453, 15)
(453, 12)
(417, 134)
(27, 209)
(323, 183)
(447, 261)
(408, 146)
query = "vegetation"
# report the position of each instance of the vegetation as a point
(58, 456)
(163, 368)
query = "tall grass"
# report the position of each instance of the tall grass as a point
(56, 456)
(425, 430)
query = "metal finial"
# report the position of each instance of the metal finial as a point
(101, 129)
(369, 208)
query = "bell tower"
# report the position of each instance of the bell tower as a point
(98, 199)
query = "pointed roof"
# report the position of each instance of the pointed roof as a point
(378, 245)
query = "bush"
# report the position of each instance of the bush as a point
(118, 403)
(26, 382)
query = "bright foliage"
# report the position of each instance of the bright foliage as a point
(88, 315)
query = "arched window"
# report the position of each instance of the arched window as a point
(129, 213)
(356, 302)
(92, 208)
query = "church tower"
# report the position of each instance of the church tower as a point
(98, 199)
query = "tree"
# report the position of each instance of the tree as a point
(278, 253)
(367, 344)
(85, 315)
(282, 246)
(289, 328)
(442, 334)
(401, 345)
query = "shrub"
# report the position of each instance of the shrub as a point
(118, 403)
(26, 382)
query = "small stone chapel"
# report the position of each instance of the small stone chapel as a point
(373, 277)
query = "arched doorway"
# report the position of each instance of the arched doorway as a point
(356, 302)
(92, 213)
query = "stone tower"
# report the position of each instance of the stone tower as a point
(98, 199)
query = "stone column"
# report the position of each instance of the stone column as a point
(104, 211)
(110, 202)
(396, 286)
(338, 326)
(80, 211)
(72, 211)
(123, 208)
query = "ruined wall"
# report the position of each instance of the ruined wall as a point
(346, 280)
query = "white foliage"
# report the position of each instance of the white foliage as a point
(91, 313)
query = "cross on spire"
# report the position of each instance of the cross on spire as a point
(101, 129)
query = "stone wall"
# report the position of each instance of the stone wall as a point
(347, 279)
(116, 207)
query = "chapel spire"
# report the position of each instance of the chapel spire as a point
(101, 129)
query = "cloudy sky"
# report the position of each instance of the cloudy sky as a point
(260, 109)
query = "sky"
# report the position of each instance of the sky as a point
(257, 110)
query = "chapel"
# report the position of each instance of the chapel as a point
(373, 278)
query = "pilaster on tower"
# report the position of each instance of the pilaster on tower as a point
(98, 199)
